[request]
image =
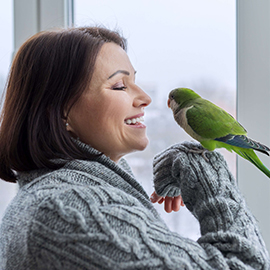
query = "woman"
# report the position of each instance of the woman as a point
(72, 111)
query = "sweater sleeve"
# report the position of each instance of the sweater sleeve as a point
(210, 192)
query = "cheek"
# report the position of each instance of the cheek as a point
(107, 119)
(101, 117)
(114, 110)
(81, 115)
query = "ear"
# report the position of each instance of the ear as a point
(68, 124)
(65, 119)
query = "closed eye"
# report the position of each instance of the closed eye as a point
(122, 88)
(119, 86)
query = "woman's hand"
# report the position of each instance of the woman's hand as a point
(171, 203)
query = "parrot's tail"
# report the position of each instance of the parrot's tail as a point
(250, 155)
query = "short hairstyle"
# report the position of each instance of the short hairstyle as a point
(49, 73)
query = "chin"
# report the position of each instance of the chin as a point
(142, 144)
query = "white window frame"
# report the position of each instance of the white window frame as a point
(253, 102)
(253, 80)
(32, 16)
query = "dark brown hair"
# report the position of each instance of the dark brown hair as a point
(48, 75)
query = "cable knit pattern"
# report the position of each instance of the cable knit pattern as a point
(209, 191)
(95, 215)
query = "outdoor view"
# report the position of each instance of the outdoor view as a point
(172, 43)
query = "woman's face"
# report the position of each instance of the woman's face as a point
(108, 115)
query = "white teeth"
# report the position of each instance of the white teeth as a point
(134, 120)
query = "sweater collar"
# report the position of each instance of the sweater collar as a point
(121, 168)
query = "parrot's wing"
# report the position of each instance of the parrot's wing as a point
(210, 121)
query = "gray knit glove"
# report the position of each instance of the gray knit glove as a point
(179, 170)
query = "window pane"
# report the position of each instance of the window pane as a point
(173, 43)
(7, 190)
(6, 44)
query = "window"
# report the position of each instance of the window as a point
(172, 43)
(6, 44)
(7, 190)
(253, 95)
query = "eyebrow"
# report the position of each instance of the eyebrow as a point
(120, 71)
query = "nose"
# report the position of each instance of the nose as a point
(141, 99)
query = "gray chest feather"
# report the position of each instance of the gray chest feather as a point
(181, 119)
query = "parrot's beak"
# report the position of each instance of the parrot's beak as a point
(169, 103)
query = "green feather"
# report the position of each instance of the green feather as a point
(213, 127)
(210, 121)
(250, 155)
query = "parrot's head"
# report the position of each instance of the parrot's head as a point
(179, 97)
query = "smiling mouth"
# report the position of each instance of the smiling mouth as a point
(134, 121)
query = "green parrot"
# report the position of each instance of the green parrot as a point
(213, 127)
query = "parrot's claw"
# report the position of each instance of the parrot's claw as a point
(204, 156)
(200, 151)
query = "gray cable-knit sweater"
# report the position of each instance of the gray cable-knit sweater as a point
(95, 215)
